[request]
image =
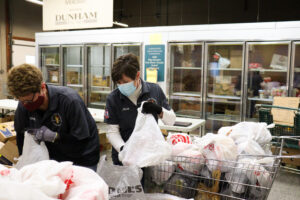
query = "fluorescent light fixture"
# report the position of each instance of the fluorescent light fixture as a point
(120, 24)
(36, 2)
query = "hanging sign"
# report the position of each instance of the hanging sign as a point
(155, 59)
(77, 14)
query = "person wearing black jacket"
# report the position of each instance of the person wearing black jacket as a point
(54, 114)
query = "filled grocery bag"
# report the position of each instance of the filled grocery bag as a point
(124, 181)
(146, 146)
(49, 180)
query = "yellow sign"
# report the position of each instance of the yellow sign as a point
(151, 75)
(155, 38)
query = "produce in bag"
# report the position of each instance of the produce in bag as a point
(180, 185)
(188, 157)
(162, 172)
(123, 181)
(174, 138)
(220, 151)
(32, 152)
(146, 145)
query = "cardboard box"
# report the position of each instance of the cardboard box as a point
(104, 142)
(7, 118)
(102, 81)
(9, 150)
(54, 76)
(236, 62)
(73, 77)
(7, 131)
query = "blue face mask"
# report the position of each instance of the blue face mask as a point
(127, 89)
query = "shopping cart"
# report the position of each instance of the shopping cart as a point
(281, 130)
(249, 177)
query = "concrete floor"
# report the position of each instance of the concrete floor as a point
(285, 187)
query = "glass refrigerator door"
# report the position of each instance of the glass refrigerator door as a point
(73, 68)
(99, 75)
(267, 75)
(186, 72)
(223, 90)
(296, 75)
(123, 49)
(50, 65)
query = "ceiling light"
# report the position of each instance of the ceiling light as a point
(120, 24)
(36, 2)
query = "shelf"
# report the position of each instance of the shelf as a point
(100, 92)
(267, 70)
(100, 87)
(187, 98)
(75, 85)
(260, 99)
(223, 97)
(97, 104)
(54, 65)
(224, 101)
(53, 83)
(297, 69)
(223, 117)
(103, 66)
(226, 69)
(190, 94)
(197, 68)
(188, 113)
(75, 66)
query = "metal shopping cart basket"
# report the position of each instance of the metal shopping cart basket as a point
(281, 130)
(249, 177)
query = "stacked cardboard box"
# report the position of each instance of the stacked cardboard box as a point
(8, 147)
(104, 142)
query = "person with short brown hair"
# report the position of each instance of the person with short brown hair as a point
(53, 114)
(122, 103)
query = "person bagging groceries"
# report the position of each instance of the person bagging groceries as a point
(54, 114)
(123, 102)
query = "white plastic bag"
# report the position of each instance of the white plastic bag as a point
(259, 132)
(146, 146)
(250, 147)
(123, 181)
(162, 172)
(188, 157)
(32, 152)
(220, 151)
(223, 62)
(174, 138)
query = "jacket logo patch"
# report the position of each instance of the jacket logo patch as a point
(106, 115)
(56, 119)
(125, 109)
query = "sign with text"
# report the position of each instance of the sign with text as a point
(155, 59)
(77, 14)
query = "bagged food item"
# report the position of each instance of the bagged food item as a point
(220, 152)
(259, 132)
(32, 152)
(162, 172)
(237, 181)
(157, 196)
(181, 185)
(123, 181)
(174, 138)
(250, 147)
(188, 157)
(146, 145)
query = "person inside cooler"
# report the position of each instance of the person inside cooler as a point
(122, 103)
(54, 114)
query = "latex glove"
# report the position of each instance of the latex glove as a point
(43, 134)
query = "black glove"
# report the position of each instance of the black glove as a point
(151, 107)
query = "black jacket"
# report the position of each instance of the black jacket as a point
(69, 117)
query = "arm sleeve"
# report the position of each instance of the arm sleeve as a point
(77, 120)
(19, 125)
(114, 137)
(169, 117)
